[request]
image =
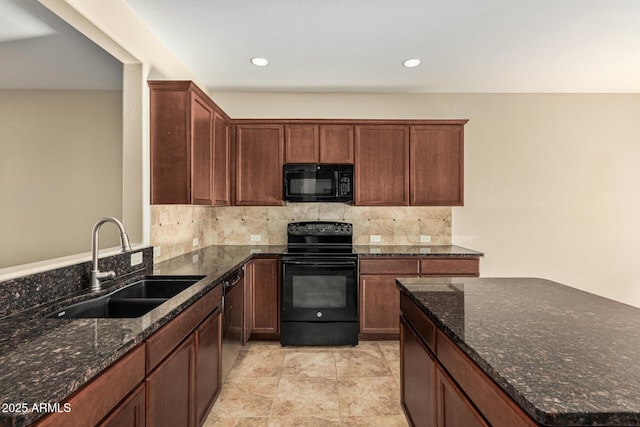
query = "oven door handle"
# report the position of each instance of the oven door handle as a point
(322, 263)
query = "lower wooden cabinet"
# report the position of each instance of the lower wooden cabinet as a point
(379, 296)
(418, 379)
(130, 413)
(454, 409)
(170, 388)
(208, 348)
(264, 292)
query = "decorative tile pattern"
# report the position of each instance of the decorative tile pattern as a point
(276, 386)
(173, 227)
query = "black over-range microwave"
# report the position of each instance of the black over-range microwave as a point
(310, 182)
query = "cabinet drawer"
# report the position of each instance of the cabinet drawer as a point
(449, 266)
(160, 344)
(420, 322)
(389, 266)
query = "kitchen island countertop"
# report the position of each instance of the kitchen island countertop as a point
(567, 357)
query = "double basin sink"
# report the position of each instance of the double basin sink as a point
(133, 300)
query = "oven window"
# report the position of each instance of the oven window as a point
(319, 291)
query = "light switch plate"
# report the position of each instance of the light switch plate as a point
(156, 251)
(136, 259)
(196, 241)
(424, 238)
(375, 238)
(255, 237)
(195, 258)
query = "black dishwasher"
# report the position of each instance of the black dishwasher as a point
(232, 320)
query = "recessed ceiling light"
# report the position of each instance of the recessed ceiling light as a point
(410, 63)
(260, 62)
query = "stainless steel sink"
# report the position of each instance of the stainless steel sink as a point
(133, 300)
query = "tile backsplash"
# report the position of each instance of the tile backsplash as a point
(175, 227)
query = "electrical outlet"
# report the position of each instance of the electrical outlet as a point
(195, 258)
(255, 237)
(196, 241)
(136, 259)
(156, 251)
(424, 238)
(375, 238)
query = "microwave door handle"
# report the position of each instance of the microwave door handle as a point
(336, 180)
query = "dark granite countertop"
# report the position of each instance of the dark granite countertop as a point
(567, 357)
(408, 250)
(46, 360)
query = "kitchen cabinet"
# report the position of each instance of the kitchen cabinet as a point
(418, 378)
(455, 390)
(208, 364)
(131, 413)
(379, 296)
(259, 160)
(381, 165)
(436, 165)
(183, 364)
(264, 284)
(313, 143)
(103, 394)
(183, 144)
(170, 388)
(302, 144)
(221, 160)
(336, 144)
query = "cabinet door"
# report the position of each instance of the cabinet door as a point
(170, 147)
(379, 304)
(208, 348)
(454, 409)
(130, 413)
(221, 150)
(202, 151)
(265, 302)
(259, 165)
(301, 144)
(436, 165)
(170, 389)
(382, 165)
(336, 144)
(417, 378)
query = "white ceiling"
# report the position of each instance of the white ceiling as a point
(358, 45)
(38, 50)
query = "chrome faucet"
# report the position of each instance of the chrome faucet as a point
(96, 274)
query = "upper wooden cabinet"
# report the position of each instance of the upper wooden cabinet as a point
(259, 160)
(221, 159)
(382, 165)
(187, 133)
(436, 165)
(312, 143)
(301, 144)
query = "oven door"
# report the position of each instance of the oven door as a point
(319, 290)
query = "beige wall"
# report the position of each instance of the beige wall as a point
(60, 171)
(551, 180)
(173, 228)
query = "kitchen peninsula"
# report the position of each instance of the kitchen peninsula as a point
(516, 351)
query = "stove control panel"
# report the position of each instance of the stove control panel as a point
(320, 228)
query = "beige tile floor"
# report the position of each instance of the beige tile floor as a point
(277, 386)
